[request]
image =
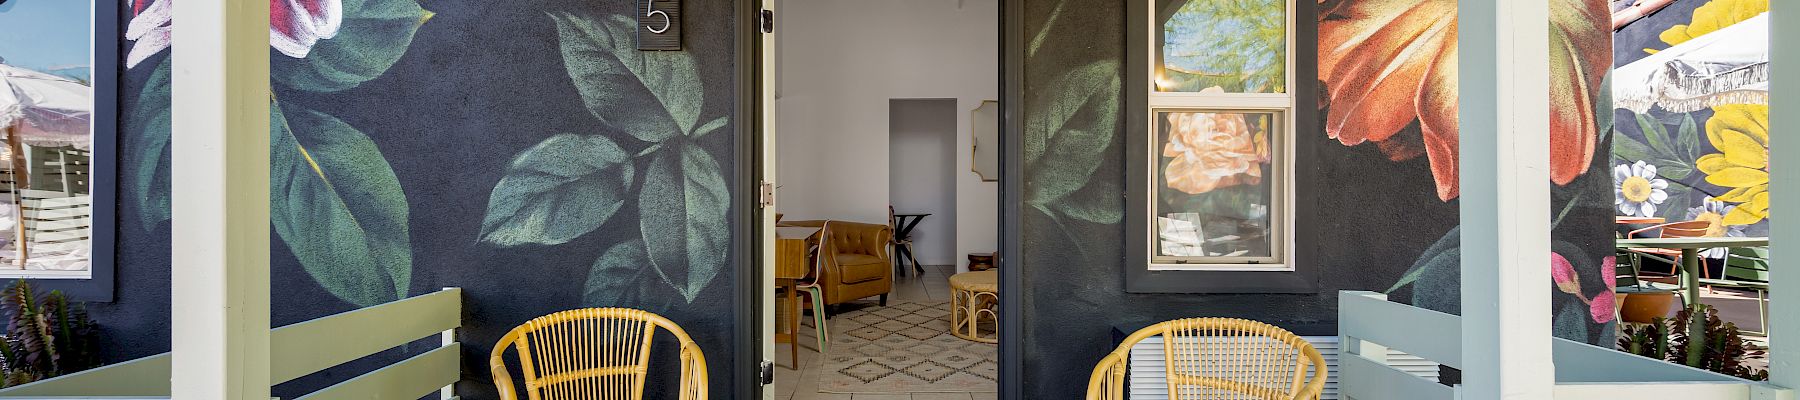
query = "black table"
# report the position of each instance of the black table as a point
(903, 227)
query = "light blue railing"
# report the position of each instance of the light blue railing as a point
(304, 348)
(1369, 325)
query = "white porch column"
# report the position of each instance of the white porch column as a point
(1784, 189)
(220, 205)
(1503, 123)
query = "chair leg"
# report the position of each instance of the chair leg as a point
(1762, 313)
(824, 333)
(915, 260)
(884, 300)
(899, 255)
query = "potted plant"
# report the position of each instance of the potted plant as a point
(1724, 348)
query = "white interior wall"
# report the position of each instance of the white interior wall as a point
(921, 173)
(840, 61)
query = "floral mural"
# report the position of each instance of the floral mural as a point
(1699, 141)
(1389, 63)
(1376, 202)
(527, 153)
(1389, 69)
(334, 200)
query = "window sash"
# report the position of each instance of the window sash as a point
(1282, 139)
(1153, 28)
(1280, 180)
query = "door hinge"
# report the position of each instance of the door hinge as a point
(766, 372)
(768, 21)
(768, 195)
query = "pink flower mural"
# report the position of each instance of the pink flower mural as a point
(1601, 306)
(295, 25)
(149, 30)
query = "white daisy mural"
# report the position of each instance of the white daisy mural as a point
(1714, 211)
(1637, 190)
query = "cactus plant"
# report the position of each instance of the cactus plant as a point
(45, 337)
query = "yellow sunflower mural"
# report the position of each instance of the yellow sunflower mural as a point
(1711, 17)
(1741, 133)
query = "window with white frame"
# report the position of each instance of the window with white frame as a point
(1221, 152)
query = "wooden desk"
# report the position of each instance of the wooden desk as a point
(790, 251)
(790, 268)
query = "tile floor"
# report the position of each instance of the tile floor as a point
(802, 383)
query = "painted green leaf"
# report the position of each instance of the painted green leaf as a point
(1099, 202)
(1066, 141)
(146, 180)
(1654, 134)
(1442, 256)
(373, 36)
(1673, 170)
(1037, 40)
(1687, 136)
(651, 95)
(682, 208)
(339, 208)
(711, 126)
(1629, 150)
(556, 191)
(616, 275)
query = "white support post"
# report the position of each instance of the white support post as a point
(1504, 114)
(220, 160)
(1784, 114)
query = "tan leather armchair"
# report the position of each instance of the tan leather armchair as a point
(854, 262)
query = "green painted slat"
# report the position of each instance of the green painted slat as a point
(307, 347)
(1361, 378)
(1428, 334)
(407, 380)
(143, 377)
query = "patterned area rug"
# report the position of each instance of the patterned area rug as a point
(904, 348)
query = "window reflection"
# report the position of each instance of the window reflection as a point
(1215, 184)
(1239, 46)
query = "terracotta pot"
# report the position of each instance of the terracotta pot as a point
(1641, 307)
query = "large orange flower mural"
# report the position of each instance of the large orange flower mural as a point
(1387, 63)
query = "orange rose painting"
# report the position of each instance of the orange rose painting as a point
(1213, 150)
(1387, 63)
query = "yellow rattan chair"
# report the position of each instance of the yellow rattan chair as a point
(1220, 358)
(593, 353)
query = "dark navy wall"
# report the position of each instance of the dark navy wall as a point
(476, 144)
(1382, 219)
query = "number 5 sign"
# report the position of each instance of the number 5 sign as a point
(659, 25)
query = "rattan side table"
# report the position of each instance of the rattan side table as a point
(973, 296)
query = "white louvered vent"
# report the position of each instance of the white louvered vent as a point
(1146, 380)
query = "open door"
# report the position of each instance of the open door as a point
(767, 167)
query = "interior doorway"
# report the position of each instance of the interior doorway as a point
(868, 152)
(922, 179)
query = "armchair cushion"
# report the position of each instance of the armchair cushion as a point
(860, 268)
(853, 259)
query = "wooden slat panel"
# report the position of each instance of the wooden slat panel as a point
(1432, 335)
(414, 378)
(1654, 391)
(143, 377)
(307, 347)
(1363, 379)
(1578, 362)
